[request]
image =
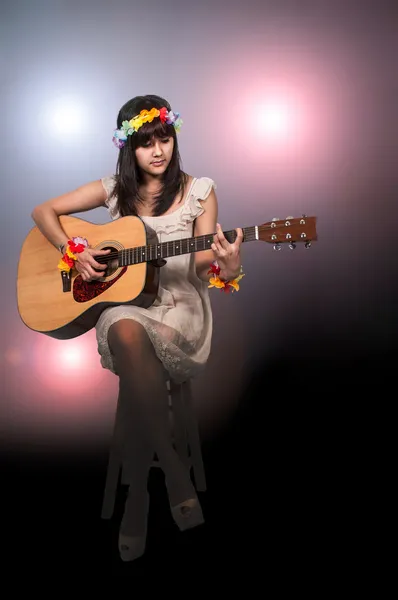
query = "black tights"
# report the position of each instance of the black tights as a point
(144, 398)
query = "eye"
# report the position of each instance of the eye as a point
(165, 140)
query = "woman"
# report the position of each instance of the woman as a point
(174, 334)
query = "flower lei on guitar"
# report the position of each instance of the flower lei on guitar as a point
(145, 116)
(75, 246)
(224, 286)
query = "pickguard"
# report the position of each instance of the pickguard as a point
(83, 291)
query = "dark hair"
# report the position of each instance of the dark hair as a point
(128, 177)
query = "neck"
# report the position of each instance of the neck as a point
(151, 183)
(148, 191)
(140, 254)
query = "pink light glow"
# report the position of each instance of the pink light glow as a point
(277, 120)
(72, 356)
(280, 119)
(72, 369)
(53, 386)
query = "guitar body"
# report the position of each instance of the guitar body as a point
(47, 307)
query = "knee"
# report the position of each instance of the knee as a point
(128, 337)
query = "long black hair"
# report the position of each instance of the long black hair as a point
(128, 176)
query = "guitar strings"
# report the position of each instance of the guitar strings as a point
(249, 236)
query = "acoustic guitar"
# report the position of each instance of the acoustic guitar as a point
(63, 306)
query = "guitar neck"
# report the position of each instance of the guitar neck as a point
(140, 254)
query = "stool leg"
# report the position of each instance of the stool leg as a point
(180, 433)
(193, 437)
(114, 465)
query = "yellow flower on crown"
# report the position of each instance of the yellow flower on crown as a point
(149, 115)
(145, 116)
(136, 123)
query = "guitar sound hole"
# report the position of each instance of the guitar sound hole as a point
(113, 264)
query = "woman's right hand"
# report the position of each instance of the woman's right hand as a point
(88, 267)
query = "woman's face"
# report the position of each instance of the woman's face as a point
(155, 156)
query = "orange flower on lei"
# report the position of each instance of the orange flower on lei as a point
(226, 286)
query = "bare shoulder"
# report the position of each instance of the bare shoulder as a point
(85, 197)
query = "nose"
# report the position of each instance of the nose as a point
(157, 151)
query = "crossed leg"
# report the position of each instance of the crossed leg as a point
(144, 395)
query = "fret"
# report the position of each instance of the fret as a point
(141, 254)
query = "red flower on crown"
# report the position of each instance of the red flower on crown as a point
(163, 114)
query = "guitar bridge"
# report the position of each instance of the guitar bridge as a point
(66, 281)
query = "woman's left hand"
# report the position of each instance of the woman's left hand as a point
(227, 255)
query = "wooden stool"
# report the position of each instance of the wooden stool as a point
(186, 440)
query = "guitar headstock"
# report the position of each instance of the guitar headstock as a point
(290, 231)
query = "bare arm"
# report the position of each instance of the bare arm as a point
(204, 224)
(89, 196)
(226, 254)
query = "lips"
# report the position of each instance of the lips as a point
(157, 162)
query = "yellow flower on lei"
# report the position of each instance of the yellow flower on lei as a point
(218, 283)
(70, 253)
(62, 266)
(67, 261)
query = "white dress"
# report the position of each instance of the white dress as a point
(179, 323)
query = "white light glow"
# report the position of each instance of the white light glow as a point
(65, 117)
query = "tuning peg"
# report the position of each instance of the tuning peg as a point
(292, 245)
(277, 246)
(307, 244)
(272, 221)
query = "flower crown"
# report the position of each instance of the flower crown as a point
(145, 116)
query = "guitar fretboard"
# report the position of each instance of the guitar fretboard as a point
(139, 254)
